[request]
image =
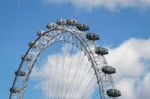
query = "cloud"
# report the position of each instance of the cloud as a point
(66, 75)
(145, 88)
(109, 4)
(132, 61)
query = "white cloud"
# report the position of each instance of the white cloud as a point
(145, 87)
(54, 74)
(127, 89)
(109, 4)
(132, 61)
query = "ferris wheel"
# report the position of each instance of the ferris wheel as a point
(78, 66)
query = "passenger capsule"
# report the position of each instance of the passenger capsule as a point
(15, 90)
(108, 70)
(51, 25)
(40, 33)
(26, 58)
(101, 51)
(72, 22)
(20, 73)
(113, 93)
(61, 22)
(32, 44)
(82, 27)
(92, 36)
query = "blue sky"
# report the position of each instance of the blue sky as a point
(21, 19)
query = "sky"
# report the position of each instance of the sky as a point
(123, 26)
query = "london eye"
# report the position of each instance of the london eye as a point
(77, 66)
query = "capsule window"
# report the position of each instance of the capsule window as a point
(40, 33)
(83, 27)
(92, 36)
(72, 22)
(113, 93)
(108, 70)
(20, 73)
(26, 57)
(32, 44)
(15, 90)
(101, 50)
(51, 25)
(61, 22)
